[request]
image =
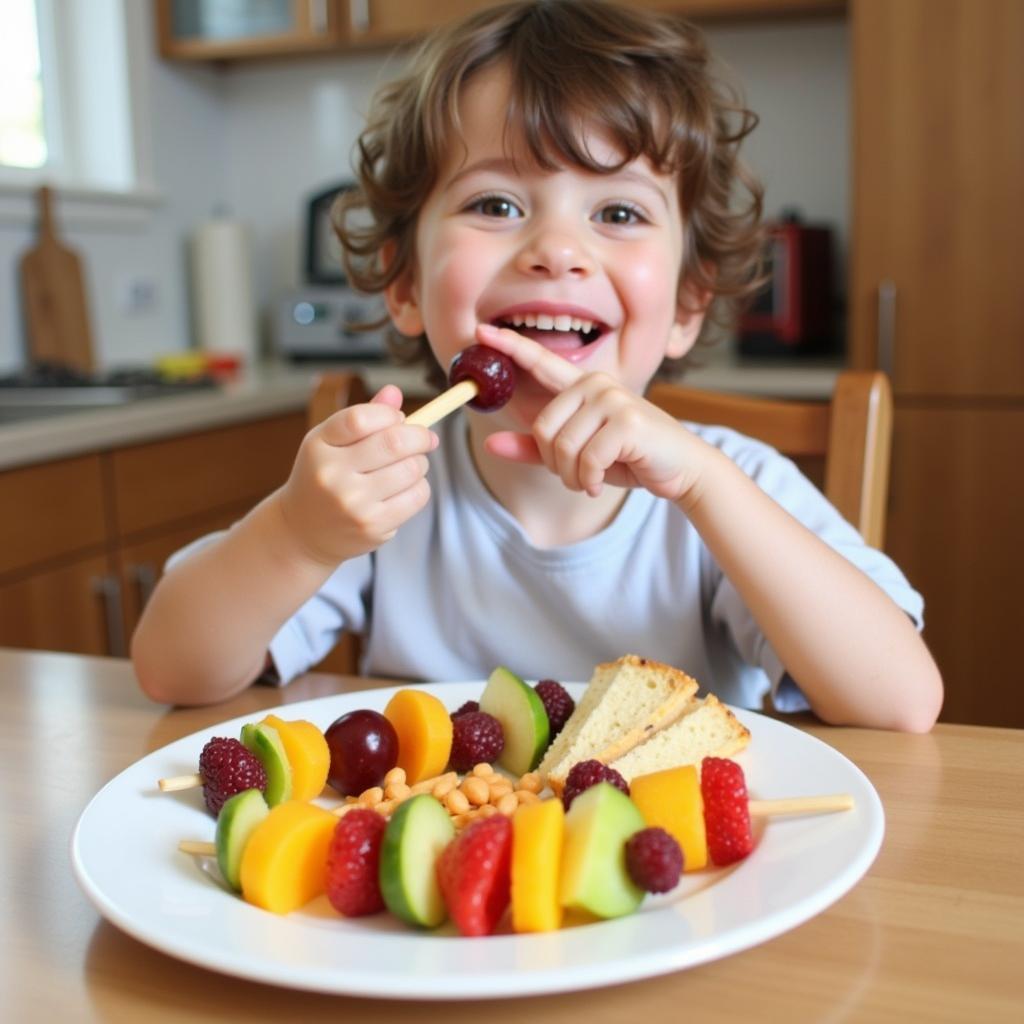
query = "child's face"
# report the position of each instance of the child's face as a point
(502, 244)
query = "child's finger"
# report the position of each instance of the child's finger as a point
(548, 369)
(390, 395)
(507, 444)
(356, 422)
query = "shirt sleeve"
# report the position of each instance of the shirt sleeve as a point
(780, 478)
(340, 606)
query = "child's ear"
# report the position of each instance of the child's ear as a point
(690, 313)
(401, 298)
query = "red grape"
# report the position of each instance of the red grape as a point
(364, 748)
(492, 371)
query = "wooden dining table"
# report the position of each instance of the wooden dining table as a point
(933, 932)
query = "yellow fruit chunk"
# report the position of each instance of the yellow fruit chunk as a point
(670, 799)
(307, 753)
(284, 864)
(424, 731)
(537, 834)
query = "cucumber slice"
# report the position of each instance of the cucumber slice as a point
(523, 720)
(265, 743)
(418, 831)
(235, 823)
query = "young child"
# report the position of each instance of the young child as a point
(554, 179)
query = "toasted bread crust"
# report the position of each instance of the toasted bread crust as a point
(682, 690)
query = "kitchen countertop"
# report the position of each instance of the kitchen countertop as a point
(278, 388)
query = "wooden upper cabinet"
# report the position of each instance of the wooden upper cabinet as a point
(939, 195)
(211, 30)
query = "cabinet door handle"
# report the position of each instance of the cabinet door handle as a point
(109, 589)
(359, 15)
(886, 326)
(144, 578)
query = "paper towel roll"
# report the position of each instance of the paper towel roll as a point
(224, 311)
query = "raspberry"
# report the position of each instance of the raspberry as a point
(228, 768)
(585, 774)
(654, 860)
(557, 703)
(726, 814)
(470, 705)
(476, 736)
(353, 863)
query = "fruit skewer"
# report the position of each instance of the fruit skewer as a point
(284, 760)
(480, 376)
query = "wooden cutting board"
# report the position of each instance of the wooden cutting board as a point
(53, 293)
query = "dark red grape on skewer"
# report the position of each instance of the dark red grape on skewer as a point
(480, 376)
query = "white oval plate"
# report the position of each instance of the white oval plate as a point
(125, 857)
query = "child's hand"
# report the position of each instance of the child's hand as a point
(357, 478)
(595, 430)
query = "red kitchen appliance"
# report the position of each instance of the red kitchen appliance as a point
(795, 312)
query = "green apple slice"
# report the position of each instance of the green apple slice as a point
(265, 743)
(594, 876)
(416, 834)
(235, 823)
(523, 720)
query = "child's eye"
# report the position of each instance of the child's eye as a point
(495, 206)
(621, 213)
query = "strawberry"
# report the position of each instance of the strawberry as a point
(726, 813)
(353, 860)
(474, 872)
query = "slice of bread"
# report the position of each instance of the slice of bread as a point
(624, 703)
(707, 729)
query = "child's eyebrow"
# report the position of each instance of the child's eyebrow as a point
(501, 164)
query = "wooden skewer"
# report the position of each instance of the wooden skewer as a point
(800, 805)
(446, 402)
(177, 782)
(197, 848)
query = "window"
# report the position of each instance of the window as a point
(67, 86)
(22, 132)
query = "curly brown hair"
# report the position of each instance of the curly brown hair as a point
(642, 79)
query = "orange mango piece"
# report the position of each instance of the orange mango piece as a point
(670, 799)
(538, 832)
(284, 864)
(424, 730)
(307, 753)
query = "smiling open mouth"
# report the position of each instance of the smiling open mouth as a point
(555, 330)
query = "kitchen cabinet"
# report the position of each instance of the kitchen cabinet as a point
(938, 186)
(206, 30)
(85, 538)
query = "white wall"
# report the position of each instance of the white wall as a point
(260, 138)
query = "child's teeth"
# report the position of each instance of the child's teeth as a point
(545, 322)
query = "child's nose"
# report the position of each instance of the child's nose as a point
(554, 252)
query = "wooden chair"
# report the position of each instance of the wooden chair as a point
(852, 433)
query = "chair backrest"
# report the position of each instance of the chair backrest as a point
(852, 432)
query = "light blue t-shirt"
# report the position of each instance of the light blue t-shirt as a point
(461, 589)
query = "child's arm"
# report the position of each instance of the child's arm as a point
(854, 653)
(357, 478)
